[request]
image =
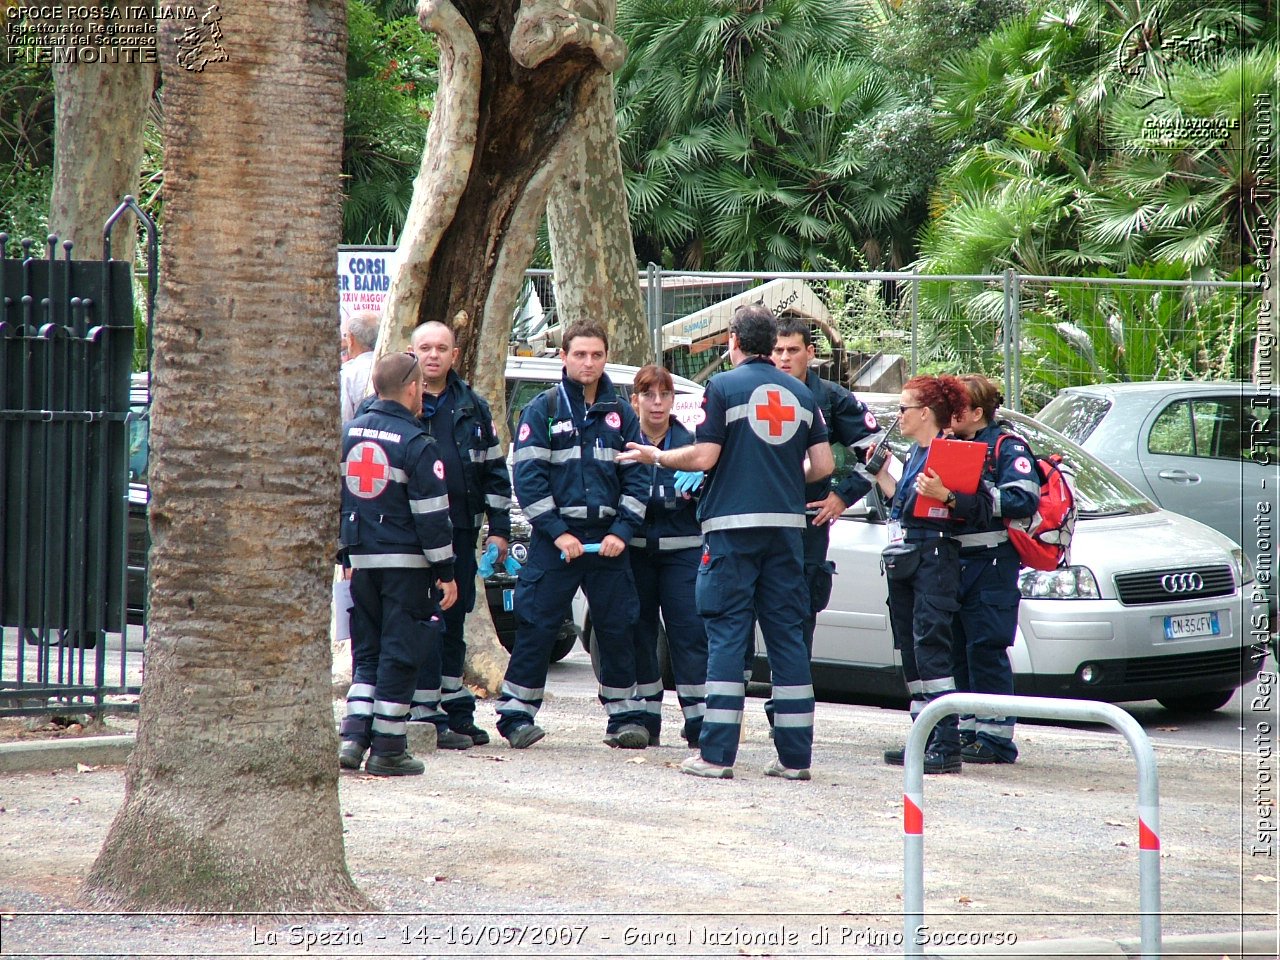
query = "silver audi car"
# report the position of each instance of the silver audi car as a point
(1151, 607)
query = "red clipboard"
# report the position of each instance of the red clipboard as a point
(958, 464)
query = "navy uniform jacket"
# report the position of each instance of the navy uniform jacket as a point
(902, 507)
(567, 477)
(395, 510)
(671, 522)
(487, 481)
(1009, 489)
(764, 421)
(850, 423)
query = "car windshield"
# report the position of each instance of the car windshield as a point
(1099, 490)
(1074, 415)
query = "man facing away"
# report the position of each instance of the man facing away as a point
(360, 334)
(396, 537)
(764, 437)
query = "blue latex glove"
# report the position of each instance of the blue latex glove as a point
(487, 559)
(688, 481)
(586, 548)
(512, 565)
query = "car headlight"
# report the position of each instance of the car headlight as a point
(1243, 568)
(1073, 583)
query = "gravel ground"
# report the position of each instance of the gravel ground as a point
(564, 848)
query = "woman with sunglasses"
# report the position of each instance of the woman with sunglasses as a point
(922, 564)
(664, 561)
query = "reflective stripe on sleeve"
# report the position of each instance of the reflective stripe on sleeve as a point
(429, 505)
(439, 554)
(531, 452)
(749, 521)
(536, 509)
(387, 561)
(629, 502)
(497, 502)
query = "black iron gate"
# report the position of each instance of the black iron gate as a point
(66, 354)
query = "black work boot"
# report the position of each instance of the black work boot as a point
(478, 736)
(351, 755)
(394, 765)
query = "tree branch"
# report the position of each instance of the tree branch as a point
(446, 167)
(545, 28)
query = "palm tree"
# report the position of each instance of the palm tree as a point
(231, 798)
(736, 123)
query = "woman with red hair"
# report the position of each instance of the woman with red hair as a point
(922, 563)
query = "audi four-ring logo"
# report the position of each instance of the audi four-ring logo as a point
(1182, 582)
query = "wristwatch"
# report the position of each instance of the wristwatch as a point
(951, 500)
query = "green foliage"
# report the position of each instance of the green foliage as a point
(736, 124)
(26, 148)
(1075, 333)
(25, 212)
(391, 82)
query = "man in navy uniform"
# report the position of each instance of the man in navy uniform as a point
(850, 423)
(475, 470)
(584, 507)
(398, 541)
(764, 437)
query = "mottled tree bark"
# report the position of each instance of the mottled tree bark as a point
(511, 89)
(596, 276)
(99, 115)
(231, 792)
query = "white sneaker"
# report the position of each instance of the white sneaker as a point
(776, 769)
(695, 766)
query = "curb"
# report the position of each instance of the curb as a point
(31, 755)
(1247, 945)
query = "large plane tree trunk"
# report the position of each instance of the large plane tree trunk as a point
(596, 276)
(231, 798)
(513, 96)
(100, 111)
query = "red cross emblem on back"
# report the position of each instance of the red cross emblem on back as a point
(776, 412)
(366, 470)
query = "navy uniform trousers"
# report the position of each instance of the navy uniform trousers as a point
(395, 624)
(745, 574)
(544, 591)
(922, 608)
(665, 580)
(440, 696)
(984, 631)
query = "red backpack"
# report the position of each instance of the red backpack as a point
(1043, 540)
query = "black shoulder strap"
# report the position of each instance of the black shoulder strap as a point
(552, 397)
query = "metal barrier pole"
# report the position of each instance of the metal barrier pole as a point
(1045, 708)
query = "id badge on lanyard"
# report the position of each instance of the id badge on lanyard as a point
(895, 531)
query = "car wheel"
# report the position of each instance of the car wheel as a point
(664, 660)
(564, 642)
(1197, 702)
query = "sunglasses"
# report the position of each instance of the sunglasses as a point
(409, 374)
(903, 408)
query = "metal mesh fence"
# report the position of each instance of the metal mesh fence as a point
(1034, 334)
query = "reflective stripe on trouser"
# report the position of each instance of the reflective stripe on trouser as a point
(749, 571)
(455, 699)
(390, 634)
(665, 581)
(818, 578)
(921, 611)
(544, 589)
(984, 630)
